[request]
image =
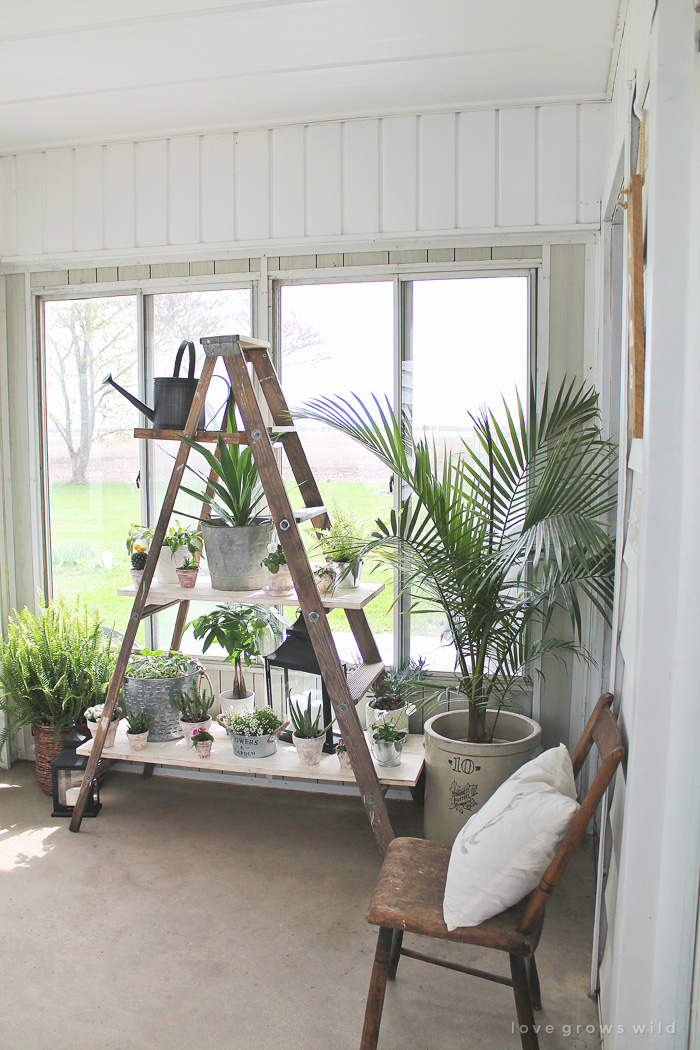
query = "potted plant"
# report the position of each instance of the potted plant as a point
(179, 545)
(497, 536)
(279, 577)
(324, 577)
(202, 742)
(93, 716)
(54, 664)
(140, 724)
(194, 705)
(240, 630)
(386, 742)
(139, 554)
(342, 545)
(308, 736)
(253, 735)
(394, 691)
(152, 681)
(235, 536)
(343, 756)
(187, 573)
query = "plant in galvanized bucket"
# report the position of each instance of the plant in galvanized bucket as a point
(54, 664)
(387, 741)
(152, 679)
(140, 724)
(194, 704)
(343, 545)
(308, 736)
(235, 537)
(253, 735)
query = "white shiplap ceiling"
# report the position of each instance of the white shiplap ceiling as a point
(78, 71)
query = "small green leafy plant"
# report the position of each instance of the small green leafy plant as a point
(193, 705)
(398, 685)
(139, 536)
(177, 537)
(387, 731)
(262, 722)
(156, 663)
(139, 722)
(305, 726)
(340, 747)
(344, 540)
(189, 565)
(274, 560)
(199, 736)
(239, 629)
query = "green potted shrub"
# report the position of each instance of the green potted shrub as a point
(152, 681)
(309, 735)
(194, 704)
(394, 693)
(93, 716)
(140, 723)
(54, 664)
(279, 580)
(386, 742)
(179, 545)
(254, 734)
(236, 537)
(497, 537)
(342, 545)
(239, 630)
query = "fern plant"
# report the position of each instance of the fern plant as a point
(54, 664)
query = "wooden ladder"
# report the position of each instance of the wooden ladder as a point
(237, 352)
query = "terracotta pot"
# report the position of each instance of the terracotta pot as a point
(111, 732)
(203, 747)
(188, 729)
(309, 749)
(136, 575)
(137, 741)
(187, 577)
(279, 582)
(343, 760)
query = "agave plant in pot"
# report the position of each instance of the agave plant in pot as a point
(140, 724)
(54, 665)
(194, 704)
(309, 735)
(240, 630)
(236, 537)
(498, 536)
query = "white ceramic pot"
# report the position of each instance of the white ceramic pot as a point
(398, 716)
(111, 732)
(309, 749)
(166, 566)
(460, 777)
(137, 741)
(246, 706)
(345, 579)
(279, 582)
(188, 728)
(343, 760)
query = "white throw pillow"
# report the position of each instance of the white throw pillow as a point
(503, 850)
(552, 767)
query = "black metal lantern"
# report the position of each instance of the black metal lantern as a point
(299, 675)
(67, 771)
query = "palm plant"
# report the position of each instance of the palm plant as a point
(500, 536)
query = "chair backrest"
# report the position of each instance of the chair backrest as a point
(601, 729)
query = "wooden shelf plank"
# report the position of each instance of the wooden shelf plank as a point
(362, 678)
(246, 342)
(207, 437)
(203, 591)
(284, 763)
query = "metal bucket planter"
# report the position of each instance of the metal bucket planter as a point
(387, 752)
(460, 776)
(253, 746)
(347, 578)
(234, 554)
(155, 697)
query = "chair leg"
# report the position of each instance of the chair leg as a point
(535, 993)
(523, 1003)
(395, 953)
(377, 987)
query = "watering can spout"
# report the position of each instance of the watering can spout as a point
(148, 412)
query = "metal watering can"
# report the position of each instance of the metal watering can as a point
(172, 396)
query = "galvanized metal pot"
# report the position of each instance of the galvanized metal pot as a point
(235, 553)
(460, 777)
(387, 752)
(253, 746)
(155, 697)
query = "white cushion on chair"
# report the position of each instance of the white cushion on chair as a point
(552, 767)
(503, 850)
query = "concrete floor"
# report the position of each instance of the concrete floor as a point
(199, 916)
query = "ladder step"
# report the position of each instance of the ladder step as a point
(307, 513)
(362, 678)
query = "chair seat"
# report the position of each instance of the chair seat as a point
(410, 893)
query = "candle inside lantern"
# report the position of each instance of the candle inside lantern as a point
(72, 796)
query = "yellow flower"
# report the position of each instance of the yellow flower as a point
(140, 548)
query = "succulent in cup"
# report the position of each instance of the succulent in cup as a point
(138, 558)
(139, 721)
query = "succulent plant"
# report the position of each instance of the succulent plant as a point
(138, 559)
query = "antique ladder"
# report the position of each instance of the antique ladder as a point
(238, 352)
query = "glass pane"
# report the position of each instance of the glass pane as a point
(93, 459)
(191, 315)
(470, 343)
(338, 339)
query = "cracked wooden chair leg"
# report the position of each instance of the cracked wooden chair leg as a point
(377, 987)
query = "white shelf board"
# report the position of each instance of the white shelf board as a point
(284, 763)
(203, 591)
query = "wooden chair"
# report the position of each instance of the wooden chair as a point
(411, 887)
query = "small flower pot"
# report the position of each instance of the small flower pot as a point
(387, 752)
(246, 706)
(343, 760)
(324, 583)
(188, 728)
(203, 747)
(111, 732)
(136, 575)
(279, 582)
(137, 741)
(309, 749)
(187, 578)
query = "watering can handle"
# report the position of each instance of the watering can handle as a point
(178, 359)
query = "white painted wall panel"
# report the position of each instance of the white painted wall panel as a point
(360, 176)
(517, 167)
(88, 199)
(252, 215)
(476, 168)
(557, 143)
(436, 171)
(399, 175)
(119, 193)
(151, 189)
(8, 206)
(323, 180)
(217, 188)
(30, 203)
(59, 199)
(593, 134)
(183, 190)
(288, 206)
